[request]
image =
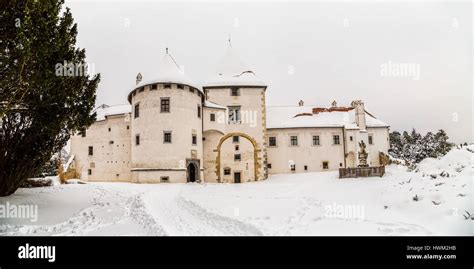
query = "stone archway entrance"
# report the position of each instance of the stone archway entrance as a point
(255, 154)
(192, 170)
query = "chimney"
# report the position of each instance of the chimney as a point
(358, 105)
(334, 103)
(139, 78)
(301, 103)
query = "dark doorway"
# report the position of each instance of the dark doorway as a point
(191, 173)
(237, 177)
(192, 170)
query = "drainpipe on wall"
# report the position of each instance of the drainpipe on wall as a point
(344, 145)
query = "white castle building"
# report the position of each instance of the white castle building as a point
(174, 130)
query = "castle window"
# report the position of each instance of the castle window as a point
(272, 141)
(137, 139)
(89, 172)
(153, 86)
(180, 86)
(191, 90)
(306, 168)
(137, 110)
(336, 140)
(350, 138)
(167, 137)
(194, 139)
(128, 127)
(235, 139)
(213, 117)
(293, 167)
(83, 132)
(234, 114)
(91, 150)
(110, 129)
(325, 165)
(167, 86)
(340, 164)
(237, 157)
(141, 89)
(316, 140)
(234, 92)
(199, 111)
(269, 165)
(226, 171)
(236, 147)
(371, 140)
(164, 179)
(294, 140)
(165, 104)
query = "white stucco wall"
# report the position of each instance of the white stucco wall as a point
(111, 150)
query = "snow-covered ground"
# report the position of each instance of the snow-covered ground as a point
(293, 204)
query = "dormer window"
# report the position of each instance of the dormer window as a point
(153, 86)
(167, 86)
(180, 86)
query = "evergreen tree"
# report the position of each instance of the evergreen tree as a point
(443, 146)
(396, 145)
(39, 107)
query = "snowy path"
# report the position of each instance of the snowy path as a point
(180, 216)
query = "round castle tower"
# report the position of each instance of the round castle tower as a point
(166, 126)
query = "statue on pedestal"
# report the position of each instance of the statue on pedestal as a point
(362, 155)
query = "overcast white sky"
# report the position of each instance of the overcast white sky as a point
(335, 49)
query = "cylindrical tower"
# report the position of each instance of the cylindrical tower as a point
(166, 129)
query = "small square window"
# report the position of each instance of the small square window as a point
(167, 86)
(272, 141)
(340, 164)
(325, 165)
(306, 168)
(235, 139)
(226, 171)
(128, 127)
(213, 117)
(294, 140)
(316, 141)
(234, 92)
(89, 172)
(194, 140)
(165, 105)
(236, 147)
(164, 179)
(191, 90)
(371, 140)
(336, 140)
(141, 89)
(237, 157)
(110, 129)
(269, 165)
(166, 137)
(293, 167)
(180, 86)
(91, 150)
(350, 138)
(153, 86)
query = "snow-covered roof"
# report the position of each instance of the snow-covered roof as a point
(213, 105)
(232, 71)
(169, 71)
(303, 116)
(104, 110)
